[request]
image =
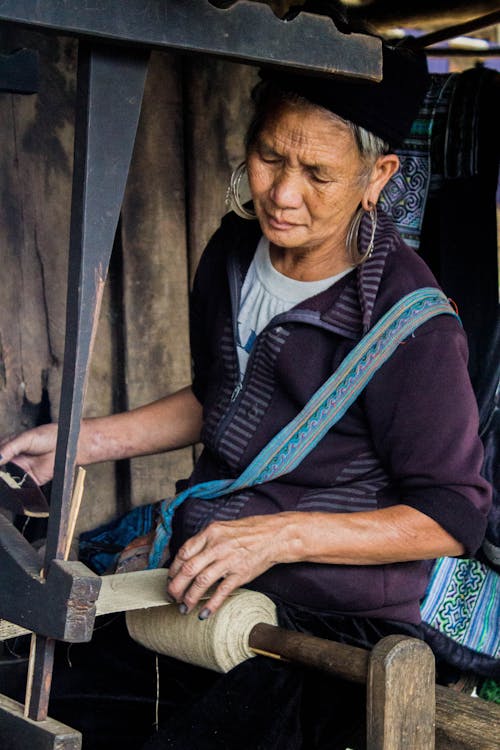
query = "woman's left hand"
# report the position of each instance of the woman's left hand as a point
(230, 554)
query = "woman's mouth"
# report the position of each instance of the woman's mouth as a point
(279, 224)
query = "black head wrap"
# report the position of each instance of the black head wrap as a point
(387, 108)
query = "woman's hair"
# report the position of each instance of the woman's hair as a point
(268, 98)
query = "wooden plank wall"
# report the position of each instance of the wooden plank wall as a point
(190, 137)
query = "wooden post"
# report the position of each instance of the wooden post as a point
(401, 695)
(110, 86)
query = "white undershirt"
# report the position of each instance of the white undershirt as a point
(266, 292)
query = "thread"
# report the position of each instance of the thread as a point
(218, 643)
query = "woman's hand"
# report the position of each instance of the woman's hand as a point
(230, 554)
(34, 451)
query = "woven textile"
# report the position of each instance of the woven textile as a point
(405, 195)
(463, 602)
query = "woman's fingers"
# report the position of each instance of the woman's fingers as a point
(33, 442)
(33, 451)
(205, 581)
(223, 590)
(196, 568)
(189, 549)
(226, 553)
(11, 447)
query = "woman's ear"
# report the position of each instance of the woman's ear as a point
(382, 171)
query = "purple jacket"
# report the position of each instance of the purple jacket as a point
(411, 437)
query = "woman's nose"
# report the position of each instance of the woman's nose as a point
(286, 191)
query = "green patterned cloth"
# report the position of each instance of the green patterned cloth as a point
(490, 691)
(463, 603)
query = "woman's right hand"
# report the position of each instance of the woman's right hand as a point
(172, 422)
(33, 450)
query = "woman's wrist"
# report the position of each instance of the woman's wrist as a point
(290, 535)
(99, 441)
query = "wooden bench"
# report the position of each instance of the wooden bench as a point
(406, 710)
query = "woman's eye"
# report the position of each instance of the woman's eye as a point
(319, 179)
(270, 159)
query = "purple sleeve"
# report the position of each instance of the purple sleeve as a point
(423, 416)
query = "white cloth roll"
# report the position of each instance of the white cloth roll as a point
(218, 643)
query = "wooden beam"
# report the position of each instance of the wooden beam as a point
(110, 87)
(138, 590)
(20, 733)
(450, 32)
(248, 32)
(465, 723)
(344, 661)
(62, 606)
(118, 593)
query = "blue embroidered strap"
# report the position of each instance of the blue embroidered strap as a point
(330, 402)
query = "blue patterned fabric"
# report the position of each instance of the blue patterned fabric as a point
(330, 402)
(405, 195)
(101, 547)
(463, 603)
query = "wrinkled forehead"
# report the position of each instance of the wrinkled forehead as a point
(306, 130)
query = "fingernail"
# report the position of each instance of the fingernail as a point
(204, 614)
(183, 609)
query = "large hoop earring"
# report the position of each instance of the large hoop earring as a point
(352, 240)
(233, 200)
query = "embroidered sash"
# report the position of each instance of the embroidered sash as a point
(327, 405)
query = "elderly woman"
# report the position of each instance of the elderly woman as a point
(342, 542)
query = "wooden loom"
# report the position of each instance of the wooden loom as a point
(62, 604)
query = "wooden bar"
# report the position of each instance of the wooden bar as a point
(400, 695)
(465, 723)
(61, 605)
(110, 87)
(450, 32)
(41, 661)
(248, 31)
(344, 661)
(140, 589)
(20, 733)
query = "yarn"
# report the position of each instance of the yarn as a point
(218, 643)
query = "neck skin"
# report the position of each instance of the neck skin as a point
(309, 264)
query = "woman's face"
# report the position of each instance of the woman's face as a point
(307, 179)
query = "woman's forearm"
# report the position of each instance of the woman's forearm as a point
(389, 535)
(229, 554)
(169, 423)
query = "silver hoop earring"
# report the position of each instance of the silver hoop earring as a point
(352, 240)
(233, 200)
